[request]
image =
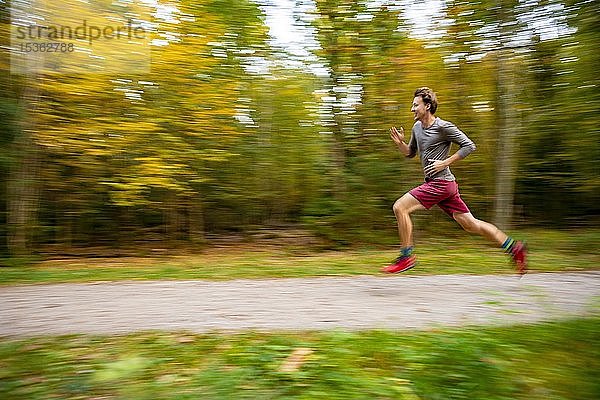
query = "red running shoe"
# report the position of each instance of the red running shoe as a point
(519, 256)
(402, 263)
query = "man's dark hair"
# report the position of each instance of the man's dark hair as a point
(428, 97)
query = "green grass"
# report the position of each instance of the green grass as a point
(549, 251)
(558, 360)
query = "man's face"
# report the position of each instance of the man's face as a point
(419, 109)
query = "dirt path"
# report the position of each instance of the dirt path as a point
(395, 302)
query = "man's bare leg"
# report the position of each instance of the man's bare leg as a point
(403, 207)
(517, 249)
(476, 226)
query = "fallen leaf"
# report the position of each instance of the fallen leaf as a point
(295, 360)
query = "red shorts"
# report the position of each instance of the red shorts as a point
(443, 193)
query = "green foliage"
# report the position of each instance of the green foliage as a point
(551, 360)
(202, 145)
(561, 170)
(275, 168)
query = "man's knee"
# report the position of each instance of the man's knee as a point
(402, 206)
(406, 205)
(399, 207)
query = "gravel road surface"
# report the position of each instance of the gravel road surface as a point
(361, 302)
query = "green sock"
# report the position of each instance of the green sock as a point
(508, 244)
(406, 251)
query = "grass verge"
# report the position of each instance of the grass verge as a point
(558, 360)
(550, 251)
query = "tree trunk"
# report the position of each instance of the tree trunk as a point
(339, 153)
(196, 221)
(508, 126)
(23, 180)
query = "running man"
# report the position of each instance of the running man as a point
(431, 138)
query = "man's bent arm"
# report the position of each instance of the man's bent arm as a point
(454, 157)
(412, 146)
(466, 147)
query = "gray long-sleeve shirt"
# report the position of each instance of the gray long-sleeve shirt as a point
(435, 142)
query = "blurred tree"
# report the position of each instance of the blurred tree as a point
(356, 42)
(20, 162)
(223, 134)
(362, 47)
(9, 115)
(584, 85)
(277, 167)
(143, 140)
(22, 194)
(503, 30)
(561, 169)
